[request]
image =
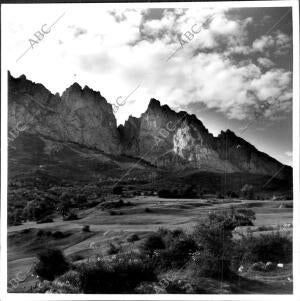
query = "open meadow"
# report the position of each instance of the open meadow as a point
(111, 228)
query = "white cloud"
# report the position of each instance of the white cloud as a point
(280, 43)
(263, 43)
(289, 153)
(109, 51)
(265, 62)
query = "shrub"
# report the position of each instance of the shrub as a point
(178, 254)
(206, 264)
(65, 204)
(165, 193)
(58, 235)
(38, 209)
(113, 249)
(247, 191)
(153, 242)
(76, 257)
(51, 264)
(118, 190)
(243, 217)
(81, 199)
(40, 232)
(214, 237)
(71, 217)
(71, 278)
(86, 228)
(232, 194)
(133, 238)
(267, 247)
(220, 196)
(118, 276)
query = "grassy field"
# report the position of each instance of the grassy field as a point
(144, 214)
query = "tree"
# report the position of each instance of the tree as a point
(51, 264)
(248, 191)
(38, 209)
(118, 190)
(81, 200)
(65, 204)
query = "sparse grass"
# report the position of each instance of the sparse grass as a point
(168, 215)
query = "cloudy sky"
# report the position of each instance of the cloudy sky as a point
(233, 68)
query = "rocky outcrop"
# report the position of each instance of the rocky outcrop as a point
(81, 116)
(160, 136)
(166, 138)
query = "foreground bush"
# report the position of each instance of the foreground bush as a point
(210, 265)
(51, 264)
(153, 242)
(178, 249)
(133, 238)
(117, 276)
(214, 238)
(272, 247)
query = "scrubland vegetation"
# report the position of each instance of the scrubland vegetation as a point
(175, 240)
(168, 261)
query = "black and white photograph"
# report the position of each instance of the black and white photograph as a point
(150, 149)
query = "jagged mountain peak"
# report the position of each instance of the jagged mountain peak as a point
(154, 103)
(169, 138)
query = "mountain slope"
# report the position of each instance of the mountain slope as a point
(160, 136)
(166, 138)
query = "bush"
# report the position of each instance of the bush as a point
(76, 257)
(71, 217)
(153, 242)
(214, 237)
(14, 219)
(118, 276)
(267, 247)
(86, 228)
(38, 209)
(247, 192)
(40, 233)
(133, 238)
(232, 194)
(118, 190)
(165, 193)
(72, 278)
(51, 264)
(81, 200)
(220, 196)
(58, 235)
(243, 217)
(206, 264)
(178, 254)
(113, 249)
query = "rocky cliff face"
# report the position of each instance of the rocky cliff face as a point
(81, 116)
(160, 136)
(170, 139)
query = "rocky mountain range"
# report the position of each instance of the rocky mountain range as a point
(160, 136)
